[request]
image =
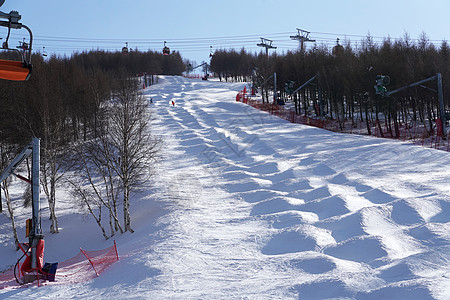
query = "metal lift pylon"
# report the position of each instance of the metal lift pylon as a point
(33, 149)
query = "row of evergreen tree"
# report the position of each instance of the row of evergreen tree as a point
(347, 75)
(69, 90)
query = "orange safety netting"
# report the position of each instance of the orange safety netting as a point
(85, 266)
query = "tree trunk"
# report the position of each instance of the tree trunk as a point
(367, 119)
(296, 104)
(11, 213)
(126, 210)
(49, 178)
(52, 204)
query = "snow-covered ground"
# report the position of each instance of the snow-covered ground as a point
(248, 206)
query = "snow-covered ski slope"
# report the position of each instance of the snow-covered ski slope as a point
(248, 206)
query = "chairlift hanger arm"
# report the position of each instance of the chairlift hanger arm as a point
(20, 26)
(13, 17)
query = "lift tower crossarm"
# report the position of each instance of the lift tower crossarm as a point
(266, 43)
(302, 36)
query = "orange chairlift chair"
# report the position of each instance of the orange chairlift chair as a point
(17, 70)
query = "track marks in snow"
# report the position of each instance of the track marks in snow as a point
(395, 240)
(316, 265)
(330, 211)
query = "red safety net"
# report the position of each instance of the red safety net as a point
(85, 266)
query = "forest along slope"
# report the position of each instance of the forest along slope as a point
(266, 207)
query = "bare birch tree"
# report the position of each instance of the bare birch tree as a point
(133, 148)
(96, 184)
(119, 160)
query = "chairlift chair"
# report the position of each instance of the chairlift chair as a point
(338, 49)
(125, 49)
(166, 50)
(16, 70)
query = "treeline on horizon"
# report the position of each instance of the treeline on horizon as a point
(346, 79)
(70, 90)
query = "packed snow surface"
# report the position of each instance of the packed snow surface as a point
(245, 205)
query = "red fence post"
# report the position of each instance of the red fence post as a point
(90, 261)
(115, 247)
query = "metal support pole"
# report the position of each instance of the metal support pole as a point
(441, 105)
(275, 88)
(319, 89)
(36, 233)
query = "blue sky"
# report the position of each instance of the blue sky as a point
(192, 26)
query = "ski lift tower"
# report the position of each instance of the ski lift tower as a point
(35, 235)
(302, 36)
(266, 43)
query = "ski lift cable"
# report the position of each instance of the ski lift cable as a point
(66, 44)
(213, 39)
